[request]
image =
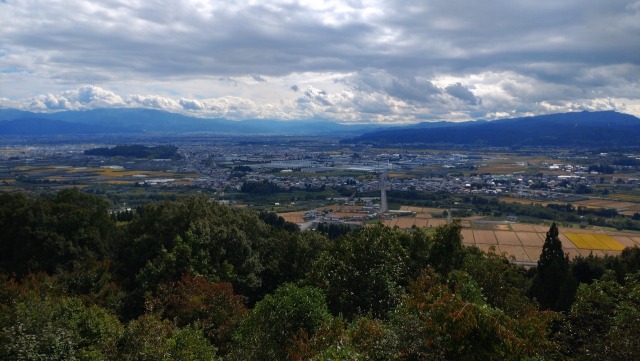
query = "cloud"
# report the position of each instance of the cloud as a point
(191, 104)
(461, 92)
(378, 60)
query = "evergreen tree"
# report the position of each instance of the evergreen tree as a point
(554, 285)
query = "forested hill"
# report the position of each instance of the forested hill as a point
(582, 129)
(194, 280)
(137, 151)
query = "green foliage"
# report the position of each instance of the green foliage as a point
(333, 230)
(195, 301)
(137, 151)
(194, 236)
(189, 344)
(288, 257)
(363, 339)
(603, 321)
(180, 273)
(553, 285)
(503, 285)
(276, 221)
(440, 322)
(149, 338)
(264, 187)
(269, 331)
(363, 272)
(446, 253)
(57, 329)
(50, 233)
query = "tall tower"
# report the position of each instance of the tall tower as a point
(383, 192)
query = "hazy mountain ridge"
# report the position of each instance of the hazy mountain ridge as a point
(149, 120)
(605, 128)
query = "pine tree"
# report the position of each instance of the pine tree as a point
(554, 285)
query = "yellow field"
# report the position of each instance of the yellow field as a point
(595, 241)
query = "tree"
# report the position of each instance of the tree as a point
(288, 257)
(447, 252)
(196, 236)
(270, 330)
(40, 327)
(195, 301)
(446, 319)
(504, 285)
(363, 339)
(553, 285)
(149, 338)
(603, 321)
(51, 233)
(363, 272)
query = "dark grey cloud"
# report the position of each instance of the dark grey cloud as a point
(461, 92)
(429, 59)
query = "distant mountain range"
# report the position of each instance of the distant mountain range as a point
(583, 129)
(577, 129)
(15, 122)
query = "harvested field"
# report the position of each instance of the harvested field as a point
(520, 227)
(486, 247)
(533, 253)
(603, 203)
(432, 210)
(484, 237)
(390, 222)
(530, 239)
(626, 241)
(353, 209)
(507, 238)
(434, 222)
(347, 214)
(424, 215)
(518, 253)
(412, 209)
(467, 236)
(405, 222)
(294, 217)
(541, 228)
(421, 222)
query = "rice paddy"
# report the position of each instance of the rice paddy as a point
(595, 241)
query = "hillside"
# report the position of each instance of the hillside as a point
(155, 121)
(35, 126)
(582, 129)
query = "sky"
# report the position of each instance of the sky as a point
(350, 61)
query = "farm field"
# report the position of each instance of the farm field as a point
(519, 241)
(624, 204)
(525, 246)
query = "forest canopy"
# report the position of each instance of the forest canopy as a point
(191, 279)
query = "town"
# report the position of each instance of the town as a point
(224, 166)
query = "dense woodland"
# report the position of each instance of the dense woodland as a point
(190, 279)
(136, 151)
